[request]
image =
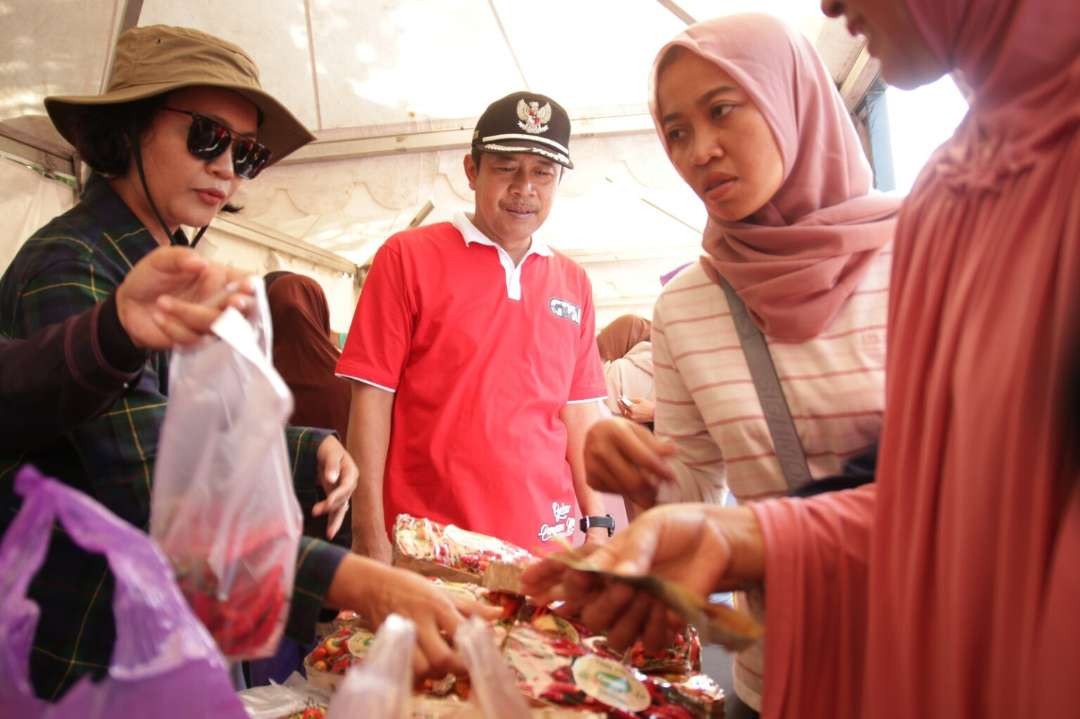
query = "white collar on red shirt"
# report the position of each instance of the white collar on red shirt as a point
(463, 223)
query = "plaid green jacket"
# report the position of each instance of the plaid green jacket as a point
(69, 265)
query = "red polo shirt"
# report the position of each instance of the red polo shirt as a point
(481, 356)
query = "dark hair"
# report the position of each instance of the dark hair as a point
(103, 133)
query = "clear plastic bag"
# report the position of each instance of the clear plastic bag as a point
(223, 507)
(164, 663)
(381, 687)
(494, 688)
(275, 701)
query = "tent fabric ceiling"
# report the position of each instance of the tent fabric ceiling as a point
(400, 68)
(346, 64)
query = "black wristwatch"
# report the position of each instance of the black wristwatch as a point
(607, 521)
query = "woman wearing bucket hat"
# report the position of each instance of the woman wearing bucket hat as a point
(183, 122)
(161, 77)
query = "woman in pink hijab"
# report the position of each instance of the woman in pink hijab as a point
(951, 587)
(752, 121)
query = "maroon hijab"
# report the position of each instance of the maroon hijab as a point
(304, 355)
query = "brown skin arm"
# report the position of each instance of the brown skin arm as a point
(370, 416)
(578, 418)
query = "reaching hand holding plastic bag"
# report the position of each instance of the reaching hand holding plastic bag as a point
(223, 508)
(164, 664)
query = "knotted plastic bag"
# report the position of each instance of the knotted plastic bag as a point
(223, 507)
(164, 663)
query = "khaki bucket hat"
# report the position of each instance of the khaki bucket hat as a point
(157, 59)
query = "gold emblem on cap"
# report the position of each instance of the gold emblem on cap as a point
(533, 118)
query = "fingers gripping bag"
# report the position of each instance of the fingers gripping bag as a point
(164, 663)
(223, 507)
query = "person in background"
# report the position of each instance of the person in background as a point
(474, 359)
(82, 365)
(183, 122)
(304, 355)
(621, 335)
(949, 586)
(305, 358)
(271, 277)
(626, 351)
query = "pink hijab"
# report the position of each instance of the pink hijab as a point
(797, 260)
(964, 599)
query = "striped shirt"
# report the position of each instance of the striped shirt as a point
(707, 404)
(630, 376)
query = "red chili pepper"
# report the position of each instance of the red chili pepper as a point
(244, 621)
(566, 648)
(563, 675)
(250, 616)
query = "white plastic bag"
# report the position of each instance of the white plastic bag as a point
(494, 688)
(223, 507)
(275, 701)
(381, 687)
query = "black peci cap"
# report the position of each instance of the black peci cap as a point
(525, 122)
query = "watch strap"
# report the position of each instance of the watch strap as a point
(593, 520)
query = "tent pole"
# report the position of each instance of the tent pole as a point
(24, 145)
(509, 45)
(678, 11)
(127, 14)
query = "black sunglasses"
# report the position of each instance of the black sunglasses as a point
(207, 139)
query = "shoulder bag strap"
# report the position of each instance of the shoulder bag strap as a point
(789, 450)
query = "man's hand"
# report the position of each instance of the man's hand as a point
(703, 547)
(375, 590)
(172, 296)
(622, 457)
(337, 475)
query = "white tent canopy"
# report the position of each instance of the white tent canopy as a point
(391, 89)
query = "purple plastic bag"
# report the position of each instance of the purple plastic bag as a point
(164, 663)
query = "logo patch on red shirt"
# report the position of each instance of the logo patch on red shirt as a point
(564, 309)
(563, 526)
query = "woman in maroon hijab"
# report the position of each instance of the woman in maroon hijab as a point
(304, 354)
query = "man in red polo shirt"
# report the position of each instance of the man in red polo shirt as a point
(474, 356)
